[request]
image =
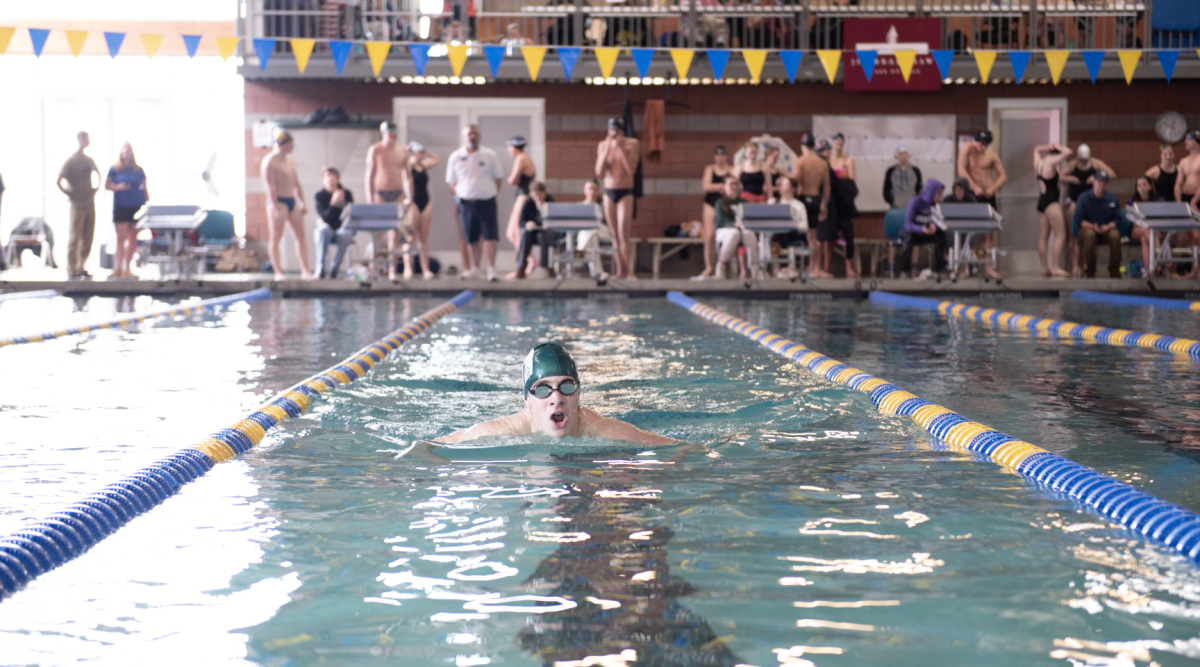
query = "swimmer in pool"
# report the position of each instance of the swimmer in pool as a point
(552, 407)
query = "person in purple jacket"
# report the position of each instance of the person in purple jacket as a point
(919, 228)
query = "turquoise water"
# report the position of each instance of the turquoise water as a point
(808, 529)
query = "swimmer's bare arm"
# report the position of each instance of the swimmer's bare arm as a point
(1001, 176)
(615, 429)
(964, 167)
(370, 177)
(514, 424)
(602, 156)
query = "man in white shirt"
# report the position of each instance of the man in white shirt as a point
(473, 173)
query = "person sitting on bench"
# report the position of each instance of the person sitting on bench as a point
(919, 228)
(531, 232)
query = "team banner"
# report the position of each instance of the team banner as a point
(902, 60)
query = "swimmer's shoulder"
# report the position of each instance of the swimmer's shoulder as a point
(598, 426)
(514, 424)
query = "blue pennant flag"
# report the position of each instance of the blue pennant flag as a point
(420, 57)
(263, 47)
(1167, 60)
(340, 50)
(718, 59)
(867, 60)
(943, 58)
(1093, 59)
(38, 36)
(1020, 61)
(114, 39)
(642, 58)
(568, 56)
(495, 56)
(791, 63)
(190, 42)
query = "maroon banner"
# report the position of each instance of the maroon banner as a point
(884, 36)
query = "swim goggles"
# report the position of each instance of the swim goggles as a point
(543, 391)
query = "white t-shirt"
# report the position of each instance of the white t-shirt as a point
(474, 175)
(799, 213)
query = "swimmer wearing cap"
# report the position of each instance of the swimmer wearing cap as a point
(982, 168)
(617, 160)
(552, 407)
(389, 180)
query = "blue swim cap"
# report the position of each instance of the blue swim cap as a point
(547, 360)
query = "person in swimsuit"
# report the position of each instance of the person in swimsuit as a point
(420, 161)
(753, 178)
(617, 160)
(1187, 189)
(285, 203)
(552, 407)
(1164, 174)
(982, 167)
(1047, 159)
(388, 181)
(843, 165)
(812, 174)
(712, 181)
(523, 173)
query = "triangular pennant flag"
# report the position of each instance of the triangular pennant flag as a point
(642, 58)
(38, 37)
(867, 60)
(534, 55)
(683, 61)
(1167, 60)
(1057, 60)
(718, 59)
(984, 61)
(943, 58)
(6, 35)
(457, 53)
(152, 42)
(1129, 60)
(905, 60)
(791, 63)
(1020, 62)
(1093, 59)
(377, 52)
(495, 56)
(264, 48)
(568, 57)
(114, 41)
(340, 50)
(227, 45)
(829, 60)
(607, 57)
(755, 58)
(191, 43)
(302, 49)
(75, 40)
(420, 56)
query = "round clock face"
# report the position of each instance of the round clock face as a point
(1170, 126)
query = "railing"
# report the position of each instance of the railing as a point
(804, 24)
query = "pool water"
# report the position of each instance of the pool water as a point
(803, 528)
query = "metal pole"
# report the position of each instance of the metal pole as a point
(693, 24)
(578, 19)
(920, 8)
(805, 21)
(1032, 32)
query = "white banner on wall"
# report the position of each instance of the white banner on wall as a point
(872, 142)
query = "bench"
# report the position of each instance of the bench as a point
(679, 243)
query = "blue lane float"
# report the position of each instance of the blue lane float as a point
(1133, 508)
(37, 294)
(64, 535)
(199, 306)
(1057, 328)
(1131, 300)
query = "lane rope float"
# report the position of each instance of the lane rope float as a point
(188, 309)
(64, 535)
(1087, 296)
(1057, 328)
(1154, 518)
(36, 294)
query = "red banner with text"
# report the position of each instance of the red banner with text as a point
(886, 37)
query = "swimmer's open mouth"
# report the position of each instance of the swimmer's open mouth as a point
(559, 418)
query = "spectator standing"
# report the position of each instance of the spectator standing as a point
(1164, 174)
(920, 229)
(1143, 191)
(420, 161)
(617, 158)
(981, 166)
(843, 165)
(712, 181)
(840, 217)
(1096, 218)
(902, 181)
(1047, 160)
(753, 176)
(389, 180)
(285, 203)
(81, 188)
(474, 174)
(127, 182)
(330, 200)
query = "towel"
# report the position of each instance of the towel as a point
(655, 130)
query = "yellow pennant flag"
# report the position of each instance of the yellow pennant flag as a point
(302, 49)
(607, 57)
(458, 57)
(226, 46)
(378, 52)
(1057, 60)
(151, 43)
(984, 61)
(76, 38)
(754, 60)
(5, 37)
(1129, 60)
(905, 60)
(533, 59)
(683, 61)
(829, 60)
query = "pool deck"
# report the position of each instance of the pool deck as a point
(813, 290)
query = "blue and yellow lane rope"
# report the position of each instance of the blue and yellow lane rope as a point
(1133, 300)
(1057, 328)
(1137, 510)
(188, 309)
(64, 535)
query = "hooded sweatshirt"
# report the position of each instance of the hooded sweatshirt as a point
(920, 209)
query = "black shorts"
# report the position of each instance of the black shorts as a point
(991, 200)
(125, 213)
(827, 230)
(812, 206)
(478, 217)
(1044, 201)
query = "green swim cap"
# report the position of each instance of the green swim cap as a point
(547, 360)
